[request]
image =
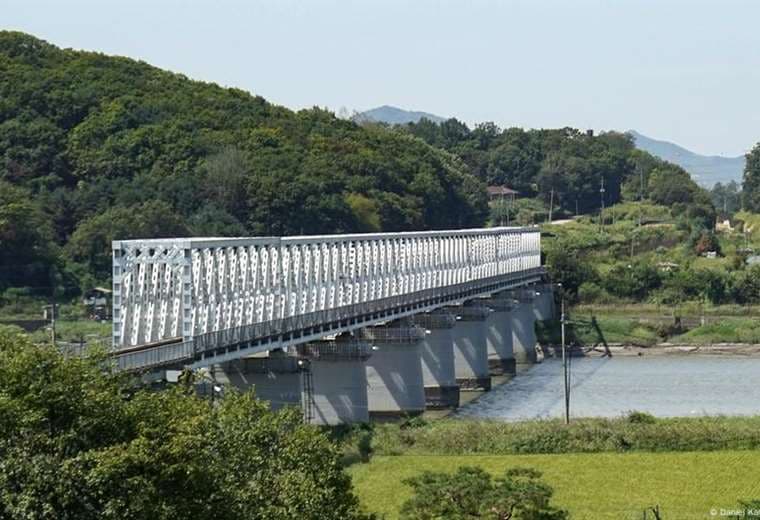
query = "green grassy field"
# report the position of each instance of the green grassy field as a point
(591, 486)
(728, 330)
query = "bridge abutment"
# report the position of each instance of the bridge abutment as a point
(394, 371)
(470, 349)
(437, 351)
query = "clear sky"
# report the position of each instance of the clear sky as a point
(686, 71)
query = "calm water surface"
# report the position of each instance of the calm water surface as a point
(604, 387)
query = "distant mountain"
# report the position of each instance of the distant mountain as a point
(395, 116)
(706, 170)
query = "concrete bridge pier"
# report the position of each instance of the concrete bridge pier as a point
(334, 381)
(438, 374)
(276, 378)
(394, 372)
(544, 302)
(501, 357)
(523, 322)
(470, 350)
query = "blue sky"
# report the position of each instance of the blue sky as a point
(685, 71)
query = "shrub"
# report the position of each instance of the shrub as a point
(632, 280)
(471, 493)
(636, 417)
(746, 285)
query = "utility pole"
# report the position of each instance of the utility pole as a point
(551, 205)
(601, 208)
(53, 312)
(53, 306)
(641, 193)
(565, 373)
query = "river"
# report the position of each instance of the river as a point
(665, 386)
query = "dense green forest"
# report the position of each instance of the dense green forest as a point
(94, 147)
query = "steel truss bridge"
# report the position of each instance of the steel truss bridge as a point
(202, 301)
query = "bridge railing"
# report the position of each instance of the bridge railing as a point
(221, 291)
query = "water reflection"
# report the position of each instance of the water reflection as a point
(609, 387)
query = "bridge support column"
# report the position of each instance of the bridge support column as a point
(394, 372)
(438, 375)
(523, 322)
(276, 378)
(544, 302)
(470, 350)
(501, 357)
(334, 384)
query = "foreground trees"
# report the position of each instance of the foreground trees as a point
(79, 443)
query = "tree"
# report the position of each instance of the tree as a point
(746, 285)
(226, 174)
(726, 198)
(668, 186)
(751, 182)
(566, 267)
(90, 244)
(77, 442)
(632, 280)
(25, 236)
(471, 493)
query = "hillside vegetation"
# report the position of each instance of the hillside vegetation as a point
(94, 147)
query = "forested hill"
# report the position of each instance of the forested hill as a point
(94, 147)
(565, 165)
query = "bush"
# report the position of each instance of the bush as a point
(566, 267)
(590, 292)
(746, 285)
(471, 493)
(641, 417)
(632, 280)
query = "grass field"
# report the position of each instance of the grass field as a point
(591, 486)
(728, 330)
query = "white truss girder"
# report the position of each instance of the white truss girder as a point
(168, 288)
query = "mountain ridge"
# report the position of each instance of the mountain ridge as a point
(395, 116)
(707, 170)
